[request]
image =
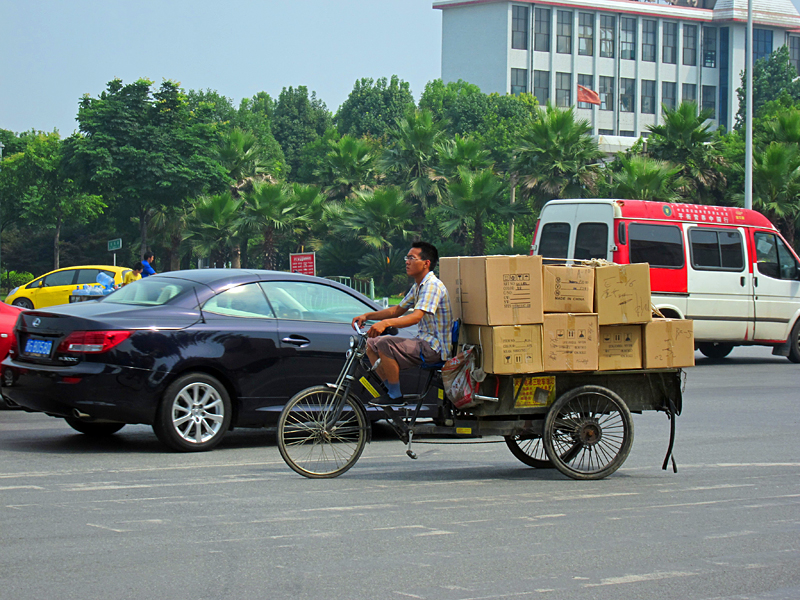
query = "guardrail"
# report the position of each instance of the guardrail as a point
(362, 286)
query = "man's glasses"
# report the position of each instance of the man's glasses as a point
(410, 258)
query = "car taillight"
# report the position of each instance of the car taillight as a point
(93, 342)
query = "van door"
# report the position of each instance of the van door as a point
(720, 284)
(776, 287)
(581, 230)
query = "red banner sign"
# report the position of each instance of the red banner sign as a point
(304, 263)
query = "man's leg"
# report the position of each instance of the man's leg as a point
(387, 369)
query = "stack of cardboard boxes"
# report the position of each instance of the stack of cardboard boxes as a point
(532, 318)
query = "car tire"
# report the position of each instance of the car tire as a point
(716, 351)
(794, 343)
(23, 303)
(194, 413)
(94, 430)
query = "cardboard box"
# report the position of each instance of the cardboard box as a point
(570, 342)
(568, 289)
(494, 290)
(508, 349)
(620, 347)
(668, 343)
(622, 294)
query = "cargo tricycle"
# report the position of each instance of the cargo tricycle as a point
(578, 422)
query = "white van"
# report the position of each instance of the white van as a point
(728, 269)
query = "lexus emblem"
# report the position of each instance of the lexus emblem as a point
(37, 321)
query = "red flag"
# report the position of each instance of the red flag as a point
(587, 95)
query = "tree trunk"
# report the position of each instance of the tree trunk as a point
(142, 233)
(478, 244)
(513, 199)
(175, 253)
(236, 257)
(243, 254)
(269, 248)
(56, 240)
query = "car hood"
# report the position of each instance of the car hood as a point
(94, 315)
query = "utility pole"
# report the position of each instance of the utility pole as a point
(748, 143)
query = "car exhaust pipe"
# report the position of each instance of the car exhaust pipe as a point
(80, 415)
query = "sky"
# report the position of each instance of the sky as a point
(53, 52)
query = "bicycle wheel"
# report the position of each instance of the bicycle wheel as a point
(310, 447)
(529, 449)
(588, 432)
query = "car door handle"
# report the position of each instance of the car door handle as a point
(741, 281)
(296, 340)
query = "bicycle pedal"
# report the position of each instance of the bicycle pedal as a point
(411, 454)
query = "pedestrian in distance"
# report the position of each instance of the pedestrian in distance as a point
(430, 309)
(147, 264)
(135, 274)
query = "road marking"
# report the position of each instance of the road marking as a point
(639, 578)
(434, 532)
(109, 528)
(21, 487)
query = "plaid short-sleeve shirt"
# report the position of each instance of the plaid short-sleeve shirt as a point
(431, 297)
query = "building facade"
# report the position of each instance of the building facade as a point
(637, 55)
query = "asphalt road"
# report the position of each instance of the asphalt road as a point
(124, 518)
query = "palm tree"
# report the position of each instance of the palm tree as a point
(686, 139)
(473, 197)
(170, 224)
(642, 178)
(310, 203)
(213, 228)
(268, 208)
(349, 165)
(785, 127)
(378, 218)
(242, 156)
(776, 186)
(410, 156)
(557, 156)
(461, 152)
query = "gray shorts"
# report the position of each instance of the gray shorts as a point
(403, 350)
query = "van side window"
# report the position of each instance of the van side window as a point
(716, 249)
(591, 241)
(554, 242)
(659, 245)
(774, 258)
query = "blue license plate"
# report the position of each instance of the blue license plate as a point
(35, 347)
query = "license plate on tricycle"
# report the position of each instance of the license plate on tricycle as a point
(39, 348)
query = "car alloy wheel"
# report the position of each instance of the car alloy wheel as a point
(194, 413)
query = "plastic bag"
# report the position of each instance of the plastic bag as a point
(459, 382)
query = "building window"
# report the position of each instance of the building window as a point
(762, 43)
(649, 40)
(607, 24)
(794, 52)
(668, 44)
(627, 94)
(519, 81)
(668, 94)
(627, 133)
(648, 97)
(710, 99)
(690, 45)
(563, 89)
(519, 27)
(710, 47)
(586, 34)
(541, 40)
(606, 93)
(605, 132)
(541, 86)
(689, 92)
(586, 81)
(627, 38)
(564, 32)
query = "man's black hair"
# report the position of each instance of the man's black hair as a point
(427, 252)
(137, 266)
(148, 255)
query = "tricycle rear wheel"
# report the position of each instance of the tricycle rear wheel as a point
(310, 446)
(588, 432)
(529, 449)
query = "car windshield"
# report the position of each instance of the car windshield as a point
(149, 292)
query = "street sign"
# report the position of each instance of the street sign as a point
(114, 245)
(303, 262)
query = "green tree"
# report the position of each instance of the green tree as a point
(349, 165)
(48, 197)
(642, 178)
(773, 76)
(556, 156)
(298, 119)
(270, 208)
(686, 139)
(373, 107)
(776, 186)
(144, 148)
(473, 197)
(213, 228)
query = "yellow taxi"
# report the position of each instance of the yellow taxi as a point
(56, 286)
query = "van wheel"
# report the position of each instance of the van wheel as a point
(794, 343)
(715, 350)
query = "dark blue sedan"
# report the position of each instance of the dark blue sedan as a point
(192, 353)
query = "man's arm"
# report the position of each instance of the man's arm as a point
(391, 312)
